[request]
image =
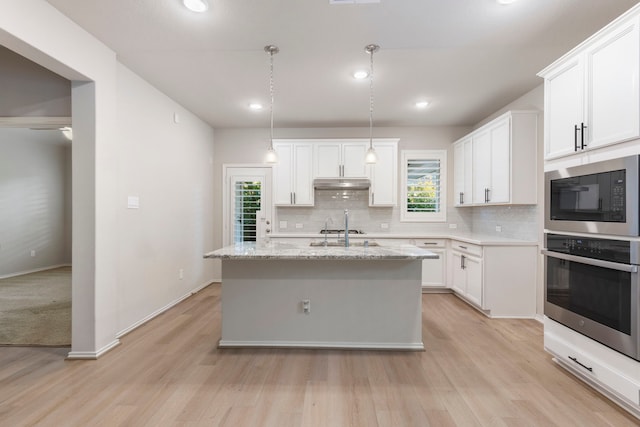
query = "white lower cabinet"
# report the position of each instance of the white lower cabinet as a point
(467, 271)
(608, 371)
(499, 280)
(433, 270)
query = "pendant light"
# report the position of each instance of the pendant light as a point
(272, 156)
(371, 156)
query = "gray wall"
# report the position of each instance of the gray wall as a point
(35, 210)
(31, 90)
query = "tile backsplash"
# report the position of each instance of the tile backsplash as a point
(515, 221)
(518, 222)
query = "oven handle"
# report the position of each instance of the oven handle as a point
(628, 268)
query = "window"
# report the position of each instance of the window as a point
(247, 202)
(424, 175)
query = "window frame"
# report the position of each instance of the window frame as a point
(406, 156)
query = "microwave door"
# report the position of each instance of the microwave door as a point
(588, 200)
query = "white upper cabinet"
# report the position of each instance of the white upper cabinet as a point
(563, 109)
(492, 163)
(301, 161)
(384, 174)
(292, 175)
(502, 157)
(462, 172)
(334, 159)
(592, 98)
(481, 171)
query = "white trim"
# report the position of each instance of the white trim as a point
(441, 216)
(417, 346)
(161, 310)
(92, 355)
(38, 122)
(35, 270)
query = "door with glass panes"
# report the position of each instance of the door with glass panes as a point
(247, 204)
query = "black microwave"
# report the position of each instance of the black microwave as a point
(600, 197)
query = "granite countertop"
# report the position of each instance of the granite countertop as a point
(284, 251)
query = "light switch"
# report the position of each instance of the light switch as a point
(133, 202)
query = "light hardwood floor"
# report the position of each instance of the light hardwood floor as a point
(475, 371)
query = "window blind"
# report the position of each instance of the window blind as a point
(247, 196)
(423, 185)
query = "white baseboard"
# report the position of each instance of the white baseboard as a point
(92, 355)
(35, 270)
(539, 318)
(417, 346)
(436, 290)
(161, 310)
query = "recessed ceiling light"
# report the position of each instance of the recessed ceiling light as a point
(360, 74)
(422, 104)
(255, 106)
(196, 5)
(505, 1)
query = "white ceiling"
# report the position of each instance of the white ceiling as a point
(467, 57)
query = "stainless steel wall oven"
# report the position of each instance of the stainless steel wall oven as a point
(600, 197)
(591, 286)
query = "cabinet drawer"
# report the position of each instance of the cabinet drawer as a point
(592, 369)
(429, 243)
(469, 248)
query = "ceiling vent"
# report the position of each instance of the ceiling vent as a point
(353, 1)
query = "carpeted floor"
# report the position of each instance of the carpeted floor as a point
(35, 309)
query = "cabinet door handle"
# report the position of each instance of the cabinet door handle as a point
(462, 258)
(575, 138)
(582, 128)
(373, 198)
(575, 360)
(462, 247)
(291, 198)
(430, 243)
(461, 198)
(294, 198)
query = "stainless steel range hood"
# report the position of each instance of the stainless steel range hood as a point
(341, 184)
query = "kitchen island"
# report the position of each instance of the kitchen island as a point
(284, 295)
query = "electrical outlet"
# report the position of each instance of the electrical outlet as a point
(498, 228)
(283, 225)
(33, 252)
(384, 226)
(306, 306)
(181, 274)
(298, 225)
(453, 225)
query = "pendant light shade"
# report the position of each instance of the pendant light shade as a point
(271, 156)
(371, 156)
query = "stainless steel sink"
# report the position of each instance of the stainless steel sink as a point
(341, 244)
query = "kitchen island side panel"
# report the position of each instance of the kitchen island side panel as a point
(352, 303)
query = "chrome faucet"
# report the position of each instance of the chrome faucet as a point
(346, 228)
(326, 226)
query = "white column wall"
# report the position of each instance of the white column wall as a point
(169, 167)
(36, 30)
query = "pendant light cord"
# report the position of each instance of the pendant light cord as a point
(371, 99)
(271, 52)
